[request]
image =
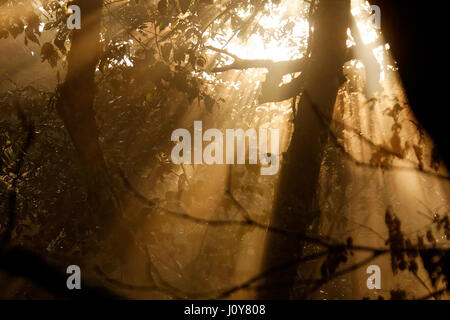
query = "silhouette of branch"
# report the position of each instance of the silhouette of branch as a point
(389, 152)
(346, 203)
(126, 286)
(420, 280)
(321, 282)
(229, 193)
(283, 67)
(317, 283)
(433, 294)
(326, 242)
(272, 91)
(323, 241)
(331, 246)
(359, 163)
(247, 284)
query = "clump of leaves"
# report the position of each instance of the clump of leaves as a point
(404, 254)
(443, 223)
(49, 53)
(396, 241)
(337, 255)
(436, 262)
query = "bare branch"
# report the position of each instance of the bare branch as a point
(283, 67)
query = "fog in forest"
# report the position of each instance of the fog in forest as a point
(88, 177)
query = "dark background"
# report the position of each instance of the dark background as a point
(418, 32)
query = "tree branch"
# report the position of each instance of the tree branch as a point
(283, 67)
(271, 89)
(281, 93)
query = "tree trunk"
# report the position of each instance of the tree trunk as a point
(297, 206)
(75, 107)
